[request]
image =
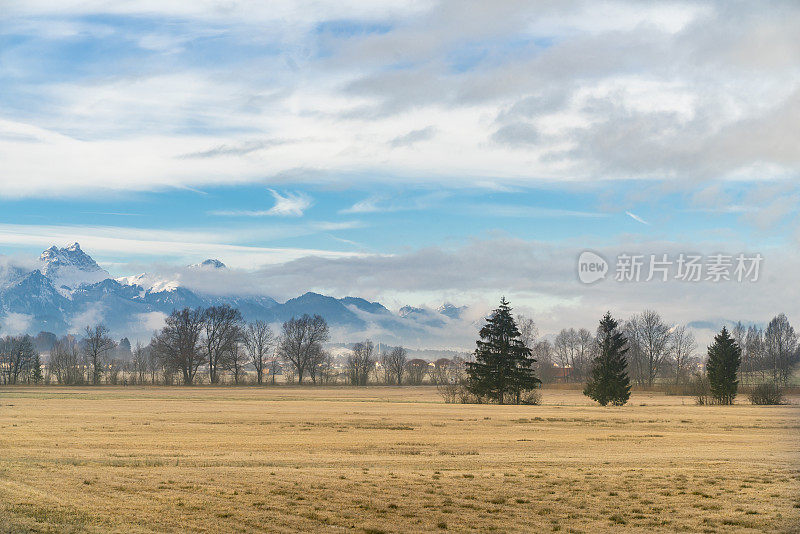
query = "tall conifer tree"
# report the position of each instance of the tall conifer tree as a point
(503, 364)
(609, 382)
(724, 357)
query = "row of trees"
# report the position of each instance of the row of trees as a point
(19, 360)
(504, 371)
(218, 340)
(72, 360)
(609, 382)
(660, 352)
(215, 338)
(504, 368)
(655, 350)
(203, 344)
(769, 353)
(215, 341)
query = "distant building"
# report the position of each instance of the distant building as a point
(563, 374)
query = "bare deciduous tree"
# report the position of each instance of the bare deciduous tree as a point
(450, 380)
(178, 343)
(753, 353)
(316, 362)
(18, 356)
(585, 345)
(527, 330)
(542, 352)
(65, 362)
(360, 362)
(114, 368)
(259, 340)
(236, 361)
(394, 362)
(573, 349)
(564, 347)
(222, 331)
(139, 367)
(96, 347)
(739, 333)
(273, 365)
(416, 370)
(781, 348)
(154, 362)
(327, 372)
(301, 342)
(682, 347)
(649, 342)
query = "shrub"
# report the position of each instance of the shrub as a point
(449, 390)
(531, 397)
(701, 390)
(768, 393)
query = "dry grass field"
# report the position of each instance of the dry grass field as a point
(389, 459)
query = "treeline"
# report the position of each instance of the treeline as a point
(661, 354)
(215, 345)
(504, 370)
(19, 361)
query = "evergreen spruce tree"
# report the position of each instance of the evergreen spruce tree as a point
(724, 357)
(608, 381)
(503, 364)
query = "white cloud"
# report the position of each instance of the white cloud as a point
(286, 205)
(15, 323)
(91, 316)
(413, 137)
(150, 322)
(538, 277)
(290, 204)
(636, 218)
(560, 92)
(184, 246)
(368, 205)
(386, 204)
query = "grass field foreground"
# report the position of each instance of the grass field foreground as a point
(383, 459)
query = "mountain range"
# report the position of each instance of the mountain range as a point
(68, 290)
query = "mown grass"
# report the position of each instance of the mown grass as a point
(389, 460)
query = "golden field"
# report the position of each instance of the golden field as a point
(376, 459)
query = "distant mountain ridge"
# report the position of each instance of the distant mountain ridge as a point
(70, 291)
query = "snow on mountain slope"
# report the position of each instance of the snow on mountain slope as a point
(70, 267)
(71, 290)
(210, 265)
(149, 283)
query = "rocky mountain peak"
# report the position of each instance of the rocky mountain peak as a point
(70, 266)
(210, 264)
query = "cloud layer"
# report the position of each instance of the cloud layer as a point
(424, 91)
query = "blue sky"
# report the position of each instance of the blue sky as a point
(276, 135)
(380, 220)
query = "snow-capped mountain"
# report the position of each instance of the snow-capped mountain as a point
(70, 267)
(210, 265)
(70, 291)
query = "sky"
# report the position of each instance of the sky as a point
(412, 152)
